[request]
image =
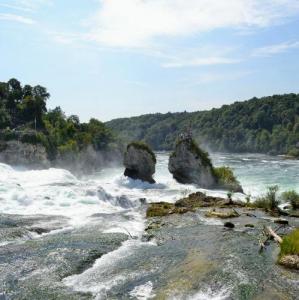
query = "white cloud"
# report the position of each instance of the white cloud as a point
(275, 49)
(26, 5)
(140, 23)
(201, 61)
(210, 77)
(16, 18)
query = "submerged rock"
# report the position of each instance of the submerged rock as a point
(140, 162)
(229, 225)
(190, 165)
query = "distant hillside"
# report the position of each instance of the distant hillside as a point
(265, 125)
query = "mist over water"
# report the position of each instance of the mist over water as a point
(115, 202)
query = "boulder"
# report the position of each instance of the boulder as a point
(229, 225)
(140, 162)
(190, 165)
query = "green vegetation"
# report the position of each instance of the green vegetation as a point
(292, 197)
(143, 146)
(265, 125)
(226, 178)
(162, 209)
(194, 148)
(290, 244)
(270, 201)
(190, 204)
(204, 156)
(24, 116)
(294, 152)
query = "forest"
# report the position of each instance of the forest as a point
(24, 116)
(262, 125)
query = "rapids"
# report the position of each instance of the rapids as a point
(108, 204)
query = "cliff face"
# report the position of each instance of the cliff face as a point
(23, 154)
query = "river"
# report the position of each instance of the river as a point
(54, 214)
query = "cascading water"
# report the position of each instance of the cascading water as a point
(111, 203)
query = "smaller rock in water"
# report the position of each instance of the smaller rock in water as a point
(142, 201)
(281, 221)
(249, 225)
(140, 162)
(229, 225)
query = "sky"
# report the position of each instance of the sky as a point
(119, 58)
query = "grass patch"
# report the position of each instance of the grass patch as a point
(143, 146)
(291, 197)
(290, 244)
(270, 201)
(161, 209)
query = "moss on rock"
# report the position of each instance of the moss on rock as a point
(142, 146)
(161, 209)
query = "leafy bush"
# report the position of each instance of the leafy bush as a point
(294, 152)
(292, 197)
(226, 178)
(290, 244)
(270, 201)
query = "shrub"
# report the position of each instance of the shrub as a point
(270, 200)
(292, 197)
(225, 175)
(294, 152)
(290, 244)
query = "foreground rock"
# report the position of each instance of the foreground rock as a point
(24, 154)
(214, 256)
(139, 161)
(35, 269)
(190, 165)
(290, 261)
(189, 204)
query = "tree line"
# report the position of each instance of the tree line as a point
(262, 125)
(24, 116)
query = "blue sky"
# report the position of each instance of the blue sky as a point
(118, 58)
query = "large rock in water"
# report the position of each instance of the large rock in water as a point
(190, 165)
(140, 162)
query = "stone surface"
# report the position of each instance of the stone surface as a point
(139, 162)
(189, 165)
(24, 154)
(290, 261)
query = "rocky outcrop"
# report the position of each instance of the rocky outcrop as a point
(23, 154)
(139, 162)
(190, 165)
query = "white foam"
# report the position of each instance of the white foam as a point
(206, 294)
(103, 275)
(143, 292)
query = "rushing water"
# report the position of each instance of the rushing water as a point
(109, 199)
